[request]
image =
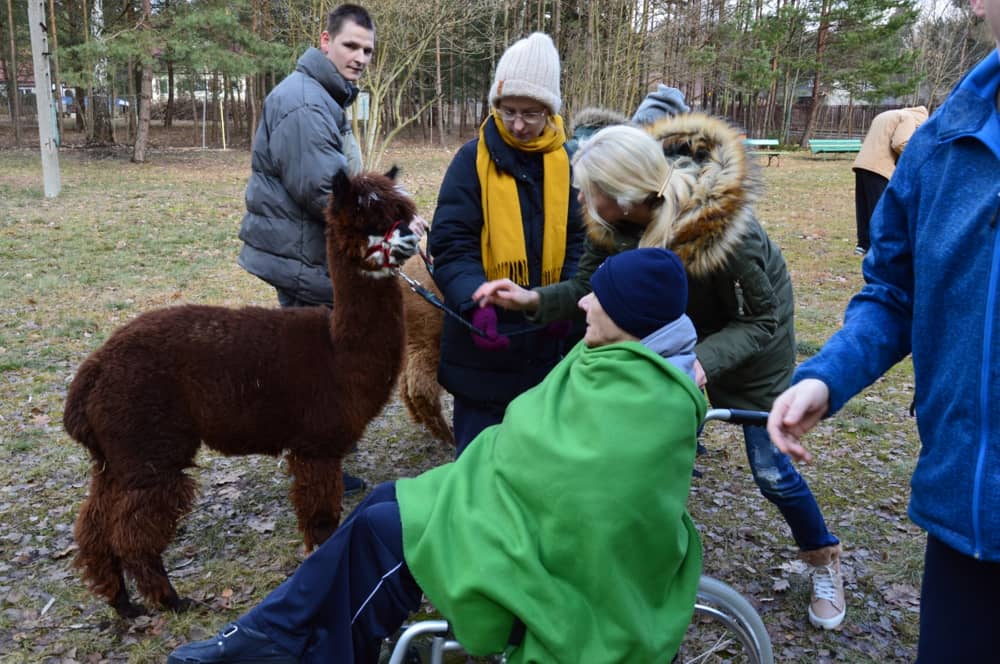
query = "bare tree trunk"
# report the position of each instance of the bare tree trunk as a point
(439, 89)
(132, 98)
(12, 90)
(194, 114)
(822, 37)
(168, 112)
(251, 82)
(100, 130)
(145, 93)
(556, 21)
(5, 65)
(55, 66)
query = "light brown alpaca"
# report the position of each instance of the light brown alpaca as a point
(418, 386)
(304, 382)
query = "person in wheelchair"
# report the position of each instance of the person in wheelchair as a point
(560, 535)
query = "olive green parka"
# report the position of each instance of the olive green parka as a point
(740, 294)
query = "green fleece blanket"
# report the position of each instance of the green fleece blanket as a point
(570, 515)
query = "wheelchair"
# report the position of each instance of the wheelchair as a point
(725, 626)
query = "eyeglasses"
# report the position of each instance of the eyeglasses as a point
(529, 117)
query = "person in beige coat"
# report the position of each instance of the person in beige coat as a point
(876, 161)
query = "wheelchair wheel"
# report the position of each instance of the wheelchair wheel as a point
(725, 628)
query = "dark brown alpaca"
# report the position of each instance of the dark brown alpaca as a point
(304, 382)
(418, 386)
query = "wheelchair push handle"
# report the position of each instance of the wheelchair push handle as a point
(737, 416)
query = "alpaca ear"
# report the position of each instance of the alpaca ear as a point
(339, 187)
(392, 172)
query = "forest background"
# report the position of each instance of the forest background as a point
(785, 69)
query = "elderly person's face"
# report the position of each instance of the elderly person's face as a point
(525, 118)
(601, 330)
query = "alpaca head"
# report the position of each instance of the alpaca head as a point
(368, 221)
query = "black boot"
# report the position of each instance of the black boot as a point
(235, 643)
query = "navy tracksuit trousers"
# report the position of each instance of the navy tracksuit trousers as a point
(958, 615)
(349, 594)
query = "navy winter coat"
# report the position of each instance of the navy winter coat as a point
(464, 370)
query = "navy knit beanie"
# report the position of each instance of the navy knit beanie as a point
(642, 289)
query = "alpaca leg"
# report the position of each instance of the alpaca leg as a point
(95, 557)
(421, 395)
(146, 522)
(317, 493)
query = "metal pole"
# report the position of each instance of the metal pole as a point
(47, 138)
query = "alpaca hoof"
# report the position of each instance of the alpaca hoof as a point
(181, 604)
(128, 610)
(321, 534)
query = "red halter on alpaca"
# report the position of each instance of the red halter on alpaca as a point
(384, 247)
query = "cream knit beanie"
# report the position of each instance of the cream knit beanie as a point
(529, 68)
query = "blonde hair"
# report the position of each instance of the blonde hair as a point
(627, 165)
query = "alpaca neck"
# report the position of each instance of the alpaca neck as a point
(366, 329)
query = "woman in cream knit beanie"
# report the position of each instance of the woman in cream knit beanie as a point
(506, 210)
(529, 68)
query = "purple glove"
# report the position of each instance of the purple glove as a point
(485, 318)
(559, 329)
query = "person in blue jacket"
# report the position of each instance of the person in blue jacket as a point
(506, 209)
(932, 288)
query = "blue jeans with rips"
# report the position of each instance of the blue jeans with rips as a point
(781, 484)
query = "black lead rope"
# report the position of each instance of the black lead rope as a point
(433, 299)
(419, 289)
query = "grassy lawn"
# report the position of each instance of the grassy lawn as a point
(123, 238)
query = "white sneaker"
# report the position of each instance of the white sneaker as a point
(827, 607)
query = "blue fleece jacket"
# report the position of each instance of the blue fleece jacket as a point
(933, 289)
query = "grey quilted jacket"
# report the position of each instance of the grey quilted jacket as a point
(303, 140)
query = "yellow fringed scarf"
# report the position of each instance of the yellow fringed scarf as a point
(503, 246)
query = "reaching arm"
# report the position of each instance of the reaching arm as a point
(505, 294)
(796, 411)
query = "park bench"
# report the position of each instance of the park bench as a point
(763, 147)
(818, 145)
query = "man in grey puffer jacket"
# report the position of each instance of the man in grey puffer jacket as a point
(303, 140)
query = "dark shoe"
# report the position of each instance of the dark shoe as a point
(235, 643)
(353, 485)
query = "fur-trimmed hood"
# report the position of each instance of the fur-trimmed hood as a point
(596, 117)
(724, 187)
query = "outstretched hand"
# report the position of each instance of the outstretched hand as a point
(795, 412)
(418, 226)
(505, 294)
